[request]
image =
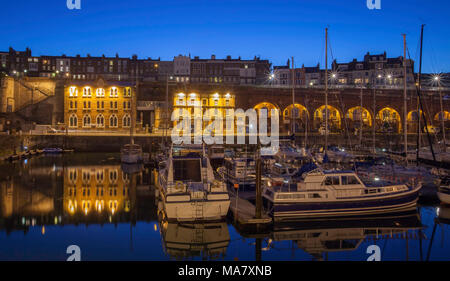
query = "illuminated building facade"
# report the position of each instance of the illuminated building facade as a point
(198, 105)
(99, 106)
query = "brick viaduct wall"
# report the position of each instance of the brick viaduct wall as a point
(246, 97)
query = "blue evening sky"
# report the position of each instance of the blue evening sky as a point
(273, 29)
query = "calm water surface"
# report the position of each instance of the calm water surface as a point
(110, 211)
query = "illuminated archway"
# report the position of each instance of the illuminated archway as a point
(300, 112)
(300, 115)
(358, 113)
(390, 117)
(442, 116)
(334, 117)
(413, 116)
(266, 105)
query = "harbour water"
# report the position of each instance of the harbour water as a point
(110, 212)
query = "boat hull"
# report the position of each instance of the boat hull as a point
(131, 158)
(444, 195)
(402, 203)
(181, 208)
(207, 210)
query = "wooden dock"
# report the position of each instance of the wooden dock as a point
(244, 212)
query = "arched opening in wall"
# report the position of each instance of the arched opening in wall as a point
(100, 121)
(334, 118)
(388, 120)
(113, 121)
(126, 121)
(269, 107)
(87, 121)
(358, 115)
(299, 114)
(266, 105)
(73, 121)
(412, 120)
(442, 116)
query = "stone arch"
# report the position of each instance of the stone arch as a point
(442, 115)
(389, 117)
(358, 113)
(267, 105)
(301, 116)
(413, 116)
(334, 117)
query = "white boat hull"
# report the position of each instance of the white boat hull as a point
(196, 210)
(445, 198)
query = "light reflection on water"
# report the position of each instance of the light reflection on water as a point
(90, 200)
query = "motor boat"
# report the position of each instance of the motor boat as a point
(239, 171)
(188, 188)
(444, 190)
(337, 194)
(131, 154)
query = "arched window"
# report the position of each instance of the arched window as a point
(127, 92)
(113, 121)
(100, 121)
(73, 175)
(100, 92)
(87, 92)
(113, 92)
(73, 121)
(86, 120)
(99, 177)
(126, 121)
(73, 92)
(113, 175)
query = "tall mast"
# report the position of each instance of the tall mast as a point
(326, 90)
(166, 114)
(421, 111)
(293, 100)
(442, 117)
(405, 109)
(361, 113)
(133, 109)
(374, 119)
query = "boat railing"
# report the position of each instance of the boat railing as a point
(289, 192)
(347, 192)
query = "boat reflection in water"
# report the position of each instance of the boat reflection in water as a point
(185, 241)
(318, 238)
(443, 214)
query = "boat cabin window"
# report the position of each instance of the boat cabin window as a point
(332, 181)
(187, 170)
(349, 180)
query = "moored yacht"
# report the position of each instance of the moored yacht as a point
(337, 194)
(239, 171)
(131, 154)
(187, 186)
(444, 190)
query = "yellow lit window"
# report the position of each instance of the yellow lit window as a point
(113, 92)
(73, 92)
(87, 92)
(100, 92)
